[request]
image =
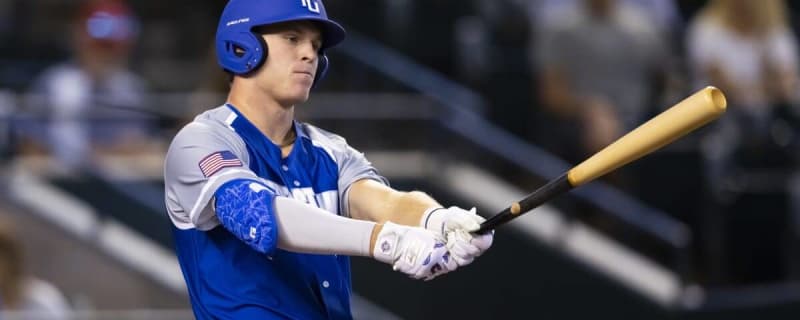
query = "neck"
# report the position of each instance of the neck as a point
(268, 115)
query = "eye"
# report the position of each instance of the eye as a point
(292, 38)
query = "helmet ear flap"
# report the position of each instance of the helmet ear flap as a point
(241, 53)
(322, 69)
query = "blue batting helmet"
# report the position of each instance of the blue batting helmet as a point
(240, 50)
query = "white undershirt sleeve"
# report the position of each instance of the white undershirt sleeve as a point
(307, 229)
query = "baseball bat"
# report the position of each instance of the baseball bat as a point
(693, 112)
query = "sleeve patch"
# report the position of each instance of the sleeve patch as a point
(217, 161)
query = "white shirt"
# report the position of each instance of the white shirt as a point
(740, 58)
(40, 300)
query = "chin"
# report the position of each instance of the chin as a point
(298, 97)
(303, 96)
(303, 92)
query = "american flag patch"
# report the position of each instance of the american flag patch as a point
(216, 161)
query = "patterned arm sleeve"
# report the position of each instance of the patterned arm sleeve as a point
(246, 209)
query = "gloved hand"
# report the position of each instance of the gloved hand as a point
(455, 225)
(419, 253)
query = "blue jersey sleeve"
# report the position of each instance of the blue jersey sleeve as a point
(246, 209)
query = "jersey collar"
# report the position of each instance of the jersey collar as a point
(244, 127)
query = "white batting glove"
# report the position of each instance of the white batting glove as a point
(455, 225)
(419, 253)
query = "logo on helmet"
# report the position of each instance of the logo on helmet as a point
(311, 5)
(238, 21)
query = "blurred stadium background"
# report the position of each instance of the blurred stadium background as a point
(476, 102)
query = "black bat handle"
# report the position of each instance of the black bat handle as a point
(545, 193)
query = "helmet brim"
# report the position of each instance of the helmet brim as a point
(332, 32)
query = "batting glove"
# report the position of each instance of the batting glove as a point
(455, 225)
(419, 253)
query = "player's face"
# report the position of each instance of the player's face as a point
(292, 59)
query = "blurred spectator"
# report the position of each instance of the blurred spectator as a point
(20, 292)
(599, 68)
(748, 50)
(91, 101)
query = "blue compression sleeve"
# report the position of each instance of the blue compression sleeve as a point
(245, 208)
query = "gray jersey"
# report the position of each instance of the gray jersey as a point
(220, 146)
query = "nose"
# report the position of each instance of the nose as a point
(308, 52)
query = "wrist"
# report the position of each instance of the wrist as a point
(386, 237)
(432, 219)
(374, 237)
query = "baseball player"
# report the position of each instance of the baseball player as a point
(266, 209)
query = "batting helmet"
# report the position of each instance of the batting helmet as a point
(240, 50)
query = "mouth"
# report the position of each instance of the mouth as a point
(305, 73)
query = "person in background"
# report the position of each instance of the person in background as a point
(748, 50)
(91, 101)
(598, 66)
(21, 293)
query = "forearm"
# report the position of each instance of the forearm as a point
(308, 229)
(373, 201)
(407, 208)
